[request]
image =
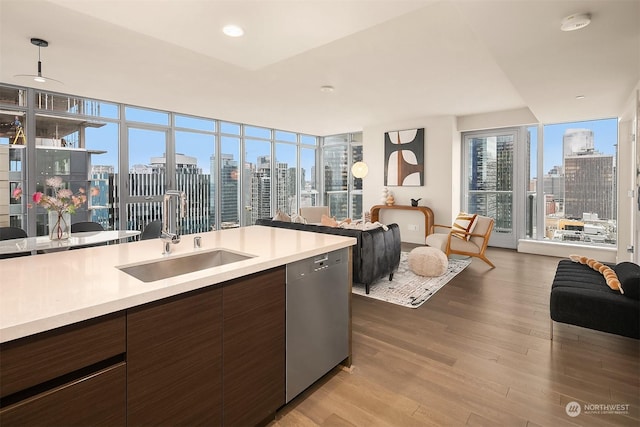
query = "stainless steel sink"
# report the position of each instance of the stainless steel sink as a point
(175, 266)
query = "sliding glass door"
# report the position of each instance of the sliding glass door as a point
(489, 182)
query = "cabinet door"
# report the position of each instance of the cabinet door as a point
(174, 361)
(95, 400)
(254, 347)
(30, 361)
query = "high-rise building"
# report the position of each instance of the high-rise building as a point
(589, 185)
(260, 188)
(589, 179)
(492, 171)
(229, 190)
(261, 182)
(336, 181)
(149, 180)
(576, 141)
(102, 201)
(553, 186)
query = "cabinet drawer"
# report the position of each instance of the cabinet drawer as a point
(33, 360)
(95, 400)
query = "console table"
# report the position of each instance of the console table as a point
(428, 214)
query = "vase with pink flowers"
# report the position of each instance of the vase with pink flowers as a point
(60, 202)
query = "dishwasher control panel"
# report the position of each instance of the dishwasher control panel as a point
(315, 264)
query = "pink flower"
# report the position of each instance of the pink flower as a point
(54, 182)
(62, 199)
(64, 193)
(17, 192)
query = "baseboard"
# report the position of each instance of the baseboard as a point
(563, 250)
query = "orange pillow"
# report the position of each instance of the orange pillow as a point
(607, 272)
(328, 221)
(464, 223)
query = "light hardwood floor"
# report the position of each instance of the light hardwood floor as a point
(477, 353)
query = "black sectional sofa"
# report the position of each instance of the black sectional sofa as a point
(376, 255)
(580, 296)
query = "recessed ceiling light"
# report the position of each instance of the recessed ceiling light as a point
(327, 89)
(233, 30)
(580, 97)
(575, 21)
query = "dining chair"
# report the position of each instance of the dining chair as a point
(152, 230)
(460, 242)
(80, 227)
(86, 226)
(8, 233)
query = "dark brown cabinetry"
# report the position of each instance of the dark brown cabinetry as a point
(70, 376)
(211, 357)
(214, 356)
(254, 347)
(174, 350)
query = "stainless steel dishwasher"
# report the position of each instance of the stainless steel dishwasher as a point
(317, 318)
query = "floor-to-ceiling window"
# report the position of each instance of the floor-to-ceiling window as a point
(575, 183)
(77, 140)
(286, 177)
(309, 182)
(148, 167)
(488, 187)
(195, 144)
(343, 192)
(258, 174)
(356, 183)
(132, 155)
(229, 175)
(13, 128)
(568, 174)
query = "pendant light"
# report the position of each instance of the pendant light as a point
(39, 77)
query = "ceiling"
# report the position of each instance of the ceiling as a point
(388, 60)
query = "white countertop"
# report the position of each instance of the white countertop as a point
(43, 292)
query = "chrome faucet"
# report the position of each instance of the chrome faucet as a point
(169, 234)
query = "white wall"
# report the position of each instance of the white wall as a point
(441, 191)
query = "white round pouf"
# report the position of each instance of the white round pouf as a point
(428, 261)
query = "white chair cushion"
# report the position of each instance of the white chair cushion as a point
(439, 240)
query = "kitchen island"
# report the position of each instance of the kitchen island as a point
(204, 345)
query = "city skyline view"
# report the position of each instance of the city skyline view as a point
(241, 172)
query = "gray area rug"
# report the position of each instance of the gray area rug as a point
(408, 289)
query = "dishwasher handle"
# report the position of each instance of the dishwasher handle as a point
(321, 258)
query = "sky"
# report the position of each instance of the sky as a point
(147, 143)
(605, 137)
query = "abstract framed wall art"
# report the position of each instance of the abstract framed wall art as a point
(404, 157)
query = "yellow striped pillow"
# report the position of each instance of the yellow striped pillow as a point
(465, 222)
